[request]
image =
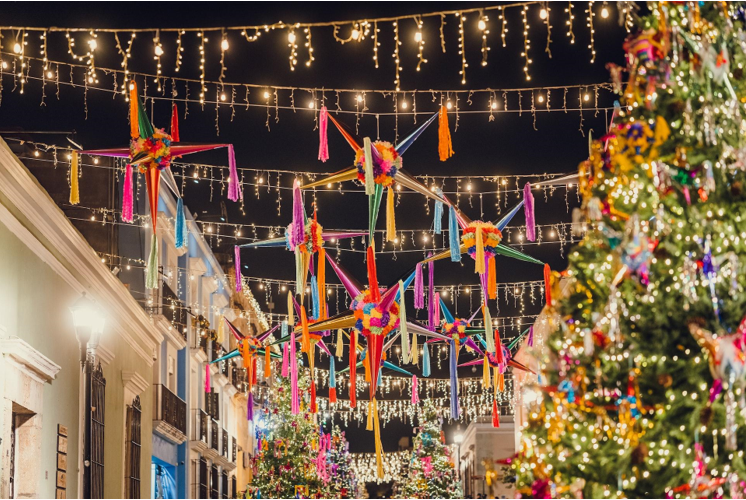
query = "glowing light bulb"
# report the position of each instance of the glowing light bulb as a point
(36, 153)
(95, 161)
(50, 74)
(291, 37)
(540, 98)
(605, 12)
(329, 185)
(311, 105)
(418, 36)
(355, 33)
(92, 43)
(493, 105)
(449, 105)
(224, 44)
(468, 187)
(543, 13)
(359, 98)
(17, 48)
(266, 94)
(132, 85)
(159, 50)
(404, 104)
(222, 96)
(586, 97)
(4, 65)
(482, 25)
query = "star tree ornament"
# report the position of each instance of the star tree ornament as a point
(151, 150)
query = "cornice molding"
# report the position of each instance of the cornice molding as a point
(29, 359)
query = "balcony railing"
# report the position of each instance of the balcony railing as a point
(224, 443)
(238, 378)
(200, 426)
(225, 367)
(214, 435)
(170, 408)
(173, 309)
(235, 451)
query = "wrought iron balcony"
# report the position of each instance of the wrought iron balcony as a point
(224, 442)
(170, 409)
(238, 378)
(173, 309)
(235, 451)
(201, 425)
(214, 435)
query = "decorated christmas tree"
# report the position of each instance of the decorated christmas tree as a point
(342, 480)
(287, 463)
(431, 472)
(641, 353)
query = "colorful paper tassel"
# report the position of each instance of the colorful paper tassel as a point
(353, 369)
(127, 197)
(379, 446)
(390, 216)
(250, 407)
(445, 147)
(531, 336)
(340, 344)
(180, 231)
(454, 240)
(151, 272)
(479, 258)
(499, 348)
(315, 308)
(237, 266)
(491, 279)
(375, 293)
(285, 360)
(234, 184)
(431, 319)
(548, 284)
(321, 283)
(369, 420)
(486, 373)
(74, 188)
(438, 214)
(403, 325)
(297, 234)
(415, 351)
(174, 124)
(134, 121)
(455, 410)
(332, 374)
(267, 362)
(415, 391)
(208, 389)
(495, 415)
(425, 360)
(314, 408)
(488, 333)
(419, 288)
(323, 143)
(294, 403)
(528, 210)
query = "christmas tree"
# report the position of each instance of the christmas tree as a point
(287, 463)
(642, 350)
(431, 472)
(342, 480)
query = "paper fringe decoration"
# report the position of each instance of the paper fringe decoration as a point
(315, 307)
(151, 274)
(369, 420)
(297, 235)
(438, 214)
(479, 259)
(501, 382)
(353, 369)
(250, 407)
(237, 265)
(375, 293)
(492, 279)
(321, 283)
(379, 446)
(314, 408)
(134, 123)
(291, 313)
(174, 124)
(390, 216)
(455, 410)
(234, 184)
(488, 333)
(366, 365)
(180, 229)
(323, 143)
(403, 325)
(419, 288)
(431, 304)
(425, 360)
(486, 373)
(445, 147)
(495, 415)
(340, 344)
(547, 284)
(528, 210)
(415, 393)
(499, 348)
(454, 240)
(332, 394)
(370, 188)
(267, 362)
(208, 389)
(285, 360)
(332, 375)
(531, 336)
(294, 406)
(127, 200)
(74, 188)
(415, 351)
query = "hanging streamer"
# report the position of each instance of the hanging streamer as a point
(415, 351)
(501, 382)
(151, 276)
(528, 210)
(127, 197)
(375, 293)
(438, 214)
(237, 265)
(291, 314)
(403, 325)
(453, 235)
(486, 373)
(250, 407)
(531, 336)
(323, 143)
(321, 283)
(488, 333)
(499, 348)
(305, 339)
(294, 403)
(74, 189)
(547, 284)
(455, 410)
(332, 381)
(445, 147)
(174, 124)
(415, 393)
(431, 319)
(492, 279)
(315, 306)
(208, 389)
(267, 362)
(180, 231)
(366, 365)
(425, 360)
(419, 288)
(379, 446)
(353, 369)
(314, 408)
(340, 344)
(369, 420)
(297, 234)
(234, 184)
(134, 121)
(495, 415)
(479, 258)
(370, 187)
(390, 216)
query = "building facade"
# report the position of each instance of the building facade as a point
(45, 268)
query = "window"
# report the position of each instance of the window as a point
(203, 479)
(133, 447)
(214, 478)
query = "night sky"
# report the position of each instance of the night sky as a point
(508, 145)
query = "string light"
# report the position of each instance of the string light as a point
(462, 47)
(569, 22)
(592, 44)
(605, 10)
(293, 57)
(420, 45)
(395, 55)
(526, 43)
(482, 25)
